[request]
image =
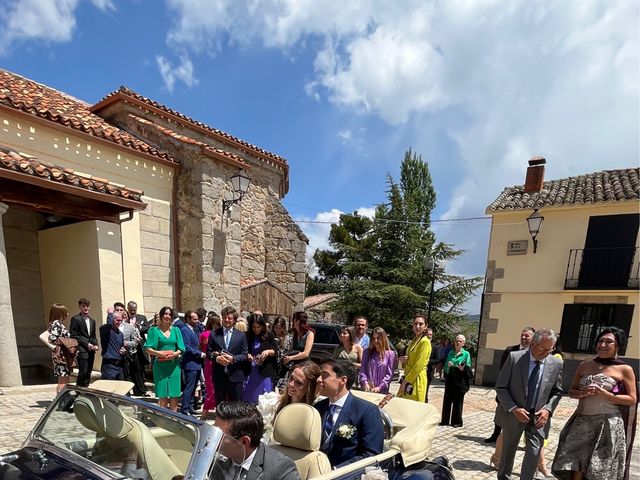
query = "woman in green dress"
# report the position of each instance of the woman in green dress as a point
(414, 384)
(166, 344)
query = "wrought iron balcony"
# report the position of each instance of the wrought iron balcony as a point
(602, 269)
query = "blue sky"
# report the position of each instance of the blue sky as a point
(342, 89)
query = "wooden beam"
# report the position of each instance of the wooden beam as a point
(58, 203)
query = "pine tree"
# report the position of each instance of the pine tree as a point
(378, 266)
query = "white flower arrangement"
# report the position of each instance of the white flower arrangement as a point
(346, 431)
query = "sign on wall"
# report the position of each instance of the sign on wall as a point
(517, 247)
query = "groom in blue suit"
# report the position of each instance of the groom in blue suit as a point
(352, 427)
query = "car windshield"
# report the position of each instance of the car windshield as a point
(134, 441)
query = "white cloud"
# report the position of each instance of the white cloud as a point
(44, 20)
(104, 5)
(344, 135)
(52, 20)
(182, 72)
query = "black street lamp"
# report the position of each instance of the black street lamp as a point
(534, 222)
(433, 266)
(240, 184)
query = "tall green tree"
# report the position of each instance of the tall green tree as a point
(378, 266)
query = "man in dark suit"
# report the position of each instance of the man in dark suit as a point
(228, 349)
(243, 421)
(352, 428)
(192, 361)
(434, 359)
(140, 320)
(525, 340)
(113, 349)
(83, 329)
(529, 388)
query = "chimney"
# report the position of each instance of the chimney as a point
(535, 175)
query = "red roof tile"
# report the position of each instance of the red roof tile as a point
(124, 91)
(11, 160)
(192, 141)
(607, 186)
(315, 300)
(35, 99)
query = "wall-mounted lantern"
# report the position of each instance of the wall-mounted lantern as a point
(534, 221)
(240, 184)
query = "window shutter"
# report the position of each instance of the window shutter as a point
(622, 319)
(569, 330)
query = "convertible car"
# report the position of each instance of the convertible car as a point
(93, 434)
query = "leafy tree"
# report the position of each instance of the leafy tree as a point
(378, 266)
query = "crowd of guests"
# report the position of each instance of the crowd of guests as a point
(237, 360)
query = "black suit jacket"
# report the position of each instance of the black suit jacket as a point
(78, 330)
(143, 324)
(506, 353)
(237, 348)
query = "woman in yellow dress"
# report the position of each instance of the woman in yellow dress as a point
(414, 383)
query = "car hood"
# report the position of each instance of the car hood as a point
(27, 464)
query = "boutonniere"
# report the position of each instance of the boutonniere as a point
(346, 431)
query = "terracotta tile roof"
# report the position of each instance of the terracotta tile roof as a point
(35, 99)
(186, 139)
(315, 300)
(607, 186)
(14, 161)
(130, 93)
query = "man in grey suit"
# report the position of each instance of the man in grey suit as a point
(529, 388)
(243, 421)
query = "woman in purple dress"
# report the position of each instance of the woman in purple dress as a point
(263, 355)
(378, 363)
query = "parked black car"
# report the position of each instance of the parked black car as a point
(326, 340)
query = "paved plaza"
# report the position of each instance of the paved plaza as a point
(21, 407)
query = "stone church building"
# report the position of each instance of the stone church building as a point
(123, 200)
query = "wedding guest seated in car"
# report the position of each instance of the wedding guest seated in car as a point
(302, 386)
(243, 421)
(352, 428)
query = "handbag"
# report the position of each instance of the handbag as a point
(44, 338)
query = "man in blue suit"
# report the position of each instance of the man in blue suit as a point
(192, 361)
(228, 349)
(352, 427)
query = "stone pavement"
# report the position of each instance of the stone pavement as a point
(21, 407)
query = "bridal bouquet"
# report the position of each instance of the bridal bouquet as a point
(267, 404)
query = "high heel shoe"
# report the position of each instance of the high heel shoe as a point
(494, 462)
(544, 471)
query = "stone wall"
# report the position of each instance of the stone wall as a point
(158, 280)
(286, 247)
(257, 239)
(23, 260)
(488, 360)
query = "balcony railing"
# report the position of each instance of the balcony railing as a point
(602, 269)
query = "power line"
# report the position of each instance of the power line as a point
(405, 222)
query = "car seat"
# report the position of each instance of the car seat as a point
(106, 419)
(298, 430)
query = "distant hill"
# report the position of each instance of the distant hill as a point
(473, 318)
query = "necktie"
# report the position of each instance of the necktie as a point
(328, 422)
(227, 338)
(532, 387)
